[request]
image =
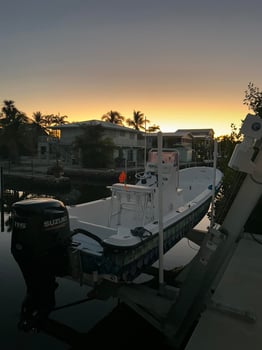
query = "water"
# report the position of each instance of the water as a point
(84, 318)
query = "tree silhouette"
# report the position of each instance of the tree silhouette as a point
(39, 124)
(14, 138)
(138, 122)
(11, 116)
(113, 117)
(39, 119)
(253, 99)
(153, 128)
(47, 120)
(227, 192)
(58, 119)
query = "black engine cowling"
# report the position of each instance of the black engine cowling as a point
(40, 238)
(38, 227)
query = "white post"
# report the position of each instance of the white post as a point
(214, 184)
(145, 146)
(160, 210)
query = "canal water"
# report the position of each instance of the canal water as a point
(100, 322)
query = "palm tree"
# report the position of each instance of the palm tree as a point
(42, 123)
(11, 116)
(49, 120)
(39, 124)
(113, 117)
(139, 121)
(59, 119)
(14, 131)
(153, 128)
(39, 119)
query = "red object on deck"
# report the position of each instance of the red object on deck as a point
(122, 177)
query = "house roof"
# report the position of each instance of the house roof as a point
(106, 125)
(182, 133)
(195, 133)
(201, 133)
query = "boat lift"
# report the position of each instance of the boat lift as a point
(175, 306)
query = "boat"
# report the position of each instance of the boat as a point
(117, 237)
(111, 239)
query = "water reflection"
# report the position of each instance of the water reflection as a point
(78, 193)
(81, 193)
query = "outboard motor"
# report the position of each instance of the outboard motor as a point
(40, 237)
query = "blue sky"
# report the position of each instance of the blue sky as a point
(184, 64)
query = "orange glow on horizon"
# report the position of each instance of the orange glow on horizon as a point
(170, 121)
(168, 115)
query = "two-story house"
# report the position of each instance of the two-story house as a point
(194, 145)
(129, 143)
(202, 143)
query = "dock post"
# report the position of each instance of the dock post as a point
(160, 213)
(2, 199)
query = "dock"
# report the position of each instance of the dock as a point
(233, 317)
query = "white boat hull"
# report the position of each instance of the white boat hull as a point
(121, 252)
(126, 263)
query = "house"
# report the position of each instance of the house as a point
(202, 143)
(129, 142)
(131, 145)
(194, 145)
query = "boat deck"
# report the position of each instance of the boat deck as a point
(234, 320)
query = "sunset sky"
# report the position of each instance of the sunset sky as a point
(183, 63)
